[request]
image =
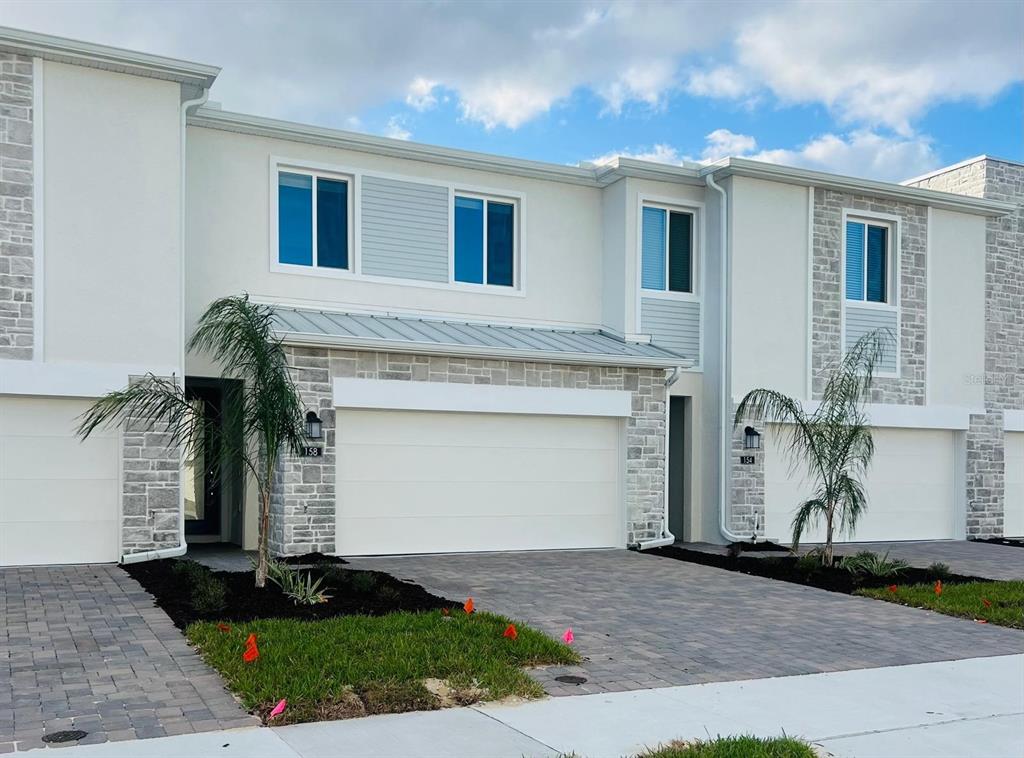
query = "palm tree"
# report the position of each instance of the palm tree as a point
(834, 442)
(264, 405)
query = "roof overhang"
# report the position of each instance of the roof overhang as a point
(436, 337)
(888, 190)
(197, 76)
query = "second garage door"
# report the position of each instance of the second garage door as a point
(430, 482)
(910, 487)
(1013, 517)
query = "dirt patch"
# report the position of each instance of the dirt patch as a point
(369, 593)
(792, 569)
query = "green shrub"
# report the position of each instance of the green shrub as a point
(940, 570)
(866, 563)
(363, 581)
(297, 585)
(809, 562)
(207, 593)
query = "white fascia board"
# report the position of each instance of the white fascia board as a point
(951, 417)
(1013, 421)
(808, 178)
(479, 351)
(71, 379)
(389, 394)
(64, 50)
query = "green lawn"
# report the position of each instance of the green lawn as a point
(735, 747)
(1005, 600)
(353, 665)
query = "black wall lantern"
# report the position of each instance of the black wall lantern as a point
(751, 439)
(314, 426)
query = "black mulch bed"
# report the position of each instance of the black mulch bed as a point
(789, 569)
(368, 593)
(1003, 541)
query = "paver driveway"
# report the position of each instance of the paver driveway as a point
(644, 621)
(83, 647)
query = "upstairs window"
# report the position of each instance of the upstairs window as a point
(666, 250)
(485, 241)
(313, 220)
(868, 262)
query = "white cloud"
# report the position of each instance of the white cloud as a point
(863, 154)
(395, 128)
(873, 64)
(722, 143)
(420, 94)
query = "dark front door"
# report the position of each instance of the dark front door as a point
(202, 468)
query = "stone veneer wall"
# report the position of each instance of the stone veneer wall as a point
(826, 330)
(302, 510)
(746, 502)
(1004, 334)
(151, 488)
(16, 230)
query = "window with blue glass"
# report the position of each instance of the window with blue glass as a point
(868, 262)
(485, 241)
(312, 220)
(666, 255)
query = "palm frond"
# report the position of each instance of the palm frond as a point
(807, 514)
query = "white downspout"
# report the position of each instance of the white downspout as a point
(666, 538)
(725, 380)
(181, 547)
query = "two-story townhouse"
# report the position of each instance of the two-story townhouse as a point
(502, 354)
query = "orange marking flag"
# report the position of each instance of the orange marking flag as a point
(987, 603)
(892, 588)
(510, 632)
(224, 628)
(251, 654)
(938, 586)
(468, 606)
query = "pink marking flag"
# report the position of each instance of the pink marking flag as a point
(568, 636)
(278, 709)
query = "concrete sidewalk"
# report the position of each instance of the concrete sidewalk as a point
(953, 709)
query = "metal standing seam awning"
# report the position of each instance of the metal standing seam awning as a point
(407, 334)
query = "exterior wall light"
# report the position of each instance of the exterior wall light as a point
(751, 439)
(314, 426)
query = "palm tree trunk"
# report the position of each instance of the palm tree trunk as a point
(263, 560)
(827, 556)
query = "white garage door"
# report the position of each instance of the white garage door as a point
(58, 495)
(910, 488)
(1013, 518)
(432, 482)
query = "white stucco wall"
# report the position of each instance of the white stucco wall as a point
(229, 238)
(770, 287)
(956, 310)
(111, 223)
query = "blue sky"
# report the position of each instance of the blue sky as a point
(882, 90)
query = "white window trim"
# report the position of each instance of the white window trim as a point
(895, 254)
(515, 199)
(695, 210)
(697, 276)
(354, 271)
(295, 167)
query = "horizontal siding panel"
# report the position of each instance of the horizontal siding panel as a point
(672, 324)
(404, 229)
(860, 321)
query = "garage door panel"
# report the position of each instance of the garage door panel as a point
(1013, 518)
(59, 496)
(33, 457)
(466, 499)
(427, 464)
(57, 500)
(381, 536)
(910, 488)
(33, 543)
(467, 429)
(420, 482)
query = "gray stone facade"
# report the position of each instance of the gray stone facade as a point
(303, 507)
(826, 329)
(16, 208)
(746, 501)
(151, 488)
(1004, 333)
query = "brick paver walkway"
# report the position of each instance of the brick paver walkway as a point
(644, 621)
(83, 647)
